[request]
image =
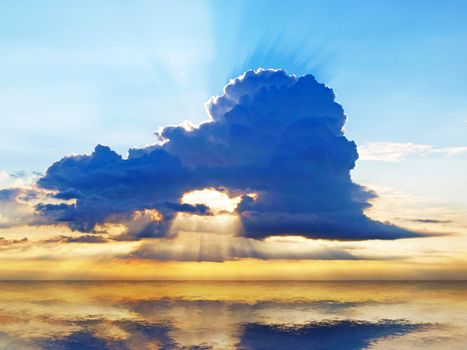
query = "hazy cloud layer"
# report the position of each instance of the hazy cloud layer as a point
(269, 133)
(15, 207)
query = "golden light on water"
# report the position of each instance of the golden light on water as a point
(226, 315)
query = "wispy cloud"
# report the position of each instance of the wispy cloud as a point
(430, 221)
(396, 151)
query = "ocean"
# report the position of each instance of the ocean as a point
(186, 315)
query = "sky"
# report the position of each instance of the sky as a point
(262, 181)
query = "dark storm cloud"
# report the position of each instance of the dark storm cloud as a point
(106, 186)
(270, 133)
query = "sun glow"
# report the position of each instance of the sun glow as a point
(201, 237)
(217, 200)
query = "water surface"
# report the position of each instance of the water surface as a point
(233, 315)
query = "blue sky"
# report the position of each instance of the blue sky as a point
(80, 73)
(75, 74)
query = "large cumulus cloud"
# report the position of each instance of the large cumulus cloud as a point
(269, 133)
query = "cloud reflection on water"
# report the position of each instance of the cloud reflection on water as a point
(233, 315)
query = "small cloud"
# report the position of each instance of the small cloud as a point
(430, 221)
(17, 174)
(396, 152)
(79, 239)
(9, 242)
